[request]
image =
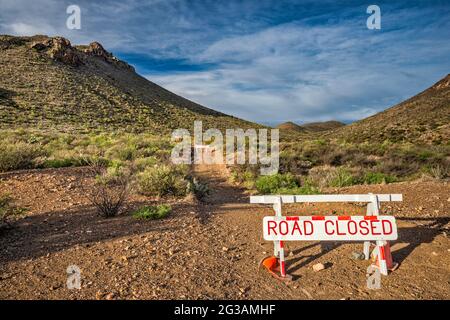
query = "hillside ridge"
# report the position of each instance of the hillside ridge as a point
(48, 83)
(423, 118)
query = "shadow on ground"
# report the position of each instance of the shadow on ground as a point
(37, 235)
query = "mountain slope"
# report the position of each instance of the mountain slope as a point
(424, 118)
(48, 83)
(322, 126)
(290, 126)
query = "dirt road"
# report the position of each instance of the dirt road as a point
(209, 250)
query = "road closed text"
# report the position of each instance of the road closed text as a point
(345, 228)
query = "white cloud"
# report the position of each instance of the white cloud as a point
(24, 29)
(300, 70)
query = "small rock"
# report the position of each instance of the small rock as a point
(225, 249)
(434, 253)
(318, 267)
(358, 255)
(99, 295)
(110, 296)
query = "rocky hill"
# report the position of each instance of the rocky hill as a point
(424, 118)
(322, 126)
(48, 83)
(290, 126)
(313, 127)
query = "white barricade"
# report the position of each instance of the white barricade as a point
(371, 227)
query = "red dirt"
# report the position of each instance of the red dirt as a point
(209, 250)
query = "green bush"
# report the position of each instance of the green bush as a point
(7, 209)
(243, 175)
(62, 163)
(163, 180)
(18, 155)
(342, 178)
(199, 189)
(377, 178)
(142, 163)
(152, 212)
(436, 171)
(273, 183)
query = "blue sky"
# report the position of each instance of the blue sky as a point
(267, 61)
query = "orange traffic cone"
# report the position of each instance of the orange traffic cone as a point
(272, 265)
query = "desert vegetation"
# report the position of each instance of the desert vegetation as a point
(120, 163)
(8, 210)
(152, 212)
(307, 167)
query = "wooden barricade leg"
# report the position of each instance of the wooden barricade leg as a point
(276, 244)
(280, 244)
(366, 249)
(277, 263)
(382, 251)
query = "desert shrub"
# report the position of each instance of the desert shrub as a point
(271, 184)
(18, 155)
(294, 163)
(5, 209)
(306, 188)
(142, 163)
(342, 178)
(377, 178)
(153, 212)
(397, 167)
(321, 176)
(162, 180)
(8, 209)
(110, 191)
(437, 171)
(244, 175)
(197, 188)
(127, 153)
(63, 163)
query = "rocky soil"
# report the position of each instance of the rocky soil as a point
(208, 250)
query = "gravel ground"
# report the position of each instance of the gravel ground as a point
(208, 250)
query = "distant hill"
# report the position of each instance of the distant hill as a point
(322, 126)
(310, 127)
(290, 126)
(424, 118)
(48, 83)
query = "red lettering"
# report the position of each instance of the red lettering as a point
(337, 229)
(271, 225)
(296, 227)
(355, 226)
(361, 227)
(384, 229)
(373, 227)
(286, 228)
(326, 228)
(311, 229)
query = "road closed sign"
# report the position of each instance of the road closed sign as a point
(331, 228)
